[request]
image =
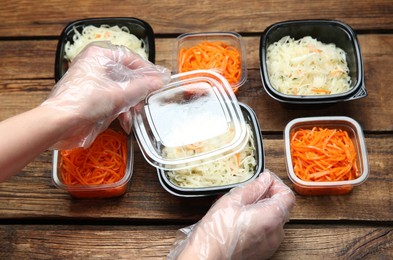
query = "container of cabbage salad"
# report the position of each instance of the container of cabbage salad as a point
(198, 136)
(311, 62)
(221, 175)
(133, 33)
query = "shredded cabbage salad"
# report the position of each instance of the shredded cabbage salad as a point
(307, 67)
(115, 34)
(233, 169)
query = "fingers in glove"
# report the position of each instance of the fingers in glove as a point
(263, 186)
(125, 120)
(118, 54)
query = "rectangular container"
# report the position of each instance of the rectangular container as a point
(251, 119)
(137, 27)
(333, 187)
(95, 191)
(231, 39)
(196, 108)
(325, 31)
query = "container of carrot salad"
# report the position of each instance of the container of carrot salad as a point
(102, 170)
(223, 52)
(325, 155)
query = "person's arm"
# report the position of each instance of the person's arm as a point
(102, 83)
(25, 136)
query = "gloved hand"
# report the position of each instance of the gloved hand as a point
(246, 223)
(102, 83)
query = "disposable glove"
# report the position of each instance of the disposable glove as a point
(246, 223)
(102, 83)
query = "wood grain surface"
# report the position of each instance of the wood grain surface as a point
(28, 85)
(154, 242)
(20, 19)
(40, 221)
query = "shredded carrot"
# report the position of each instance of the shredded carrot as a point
(212, 55)
(238, 161)
(104, 162)
(322, 154)
(321, 91)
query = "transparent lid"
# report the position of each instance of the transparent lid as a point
(194, 119)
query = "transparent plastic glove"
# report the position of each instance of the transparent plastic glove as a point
(103, 82)
(246, 223)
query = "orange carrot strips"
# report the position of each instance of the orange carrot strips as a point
(322, 154)
(104, 162)
(212, 55)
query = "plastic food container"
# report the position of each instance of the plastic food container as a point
(251, 119)
(137, 27)
(95, 191)
(325, 31)
(231, 39)
(194, 120)
(328, 187)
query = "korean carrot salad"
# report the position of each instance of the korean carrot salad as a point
(307, 67)
(225, 59)
(104, 162)
(323, 154)
(229, 170)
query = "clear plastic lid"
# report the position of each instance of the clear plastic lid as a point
(195, 119)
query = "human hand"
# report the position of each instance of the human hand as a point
(246, 223)
(102, 83)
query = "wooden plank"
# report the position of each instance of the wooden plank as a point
(336, 242)
(23, 84)
(154, 242)
(36, 59)
(19, 19)
(32, 195)
(27, 59)
(17, 96)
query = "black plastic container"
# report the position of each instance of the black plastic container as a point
(250, 118)
(137, 27)
(326, 31)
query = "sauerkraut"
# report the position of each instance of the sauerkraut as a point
(115, 34)
(233, 169)
(307, 67)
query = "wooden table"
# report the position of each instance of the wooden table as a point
(40, 221)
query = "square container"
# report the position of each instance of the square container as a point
(95, 191)
(195, 107)
(141, 29)
(251, 119)
(230, 39)
(325, 31)
(194, 120)
(333, 187)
